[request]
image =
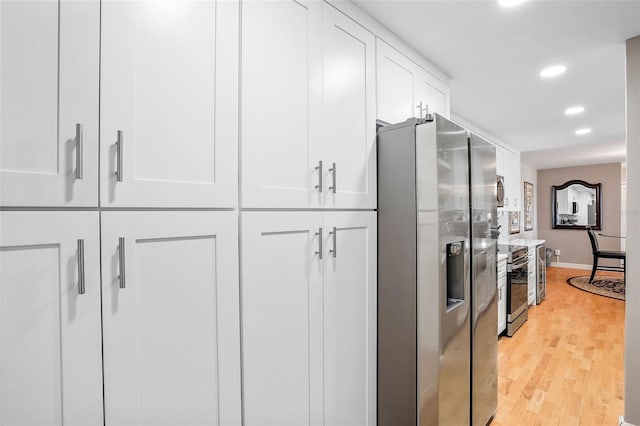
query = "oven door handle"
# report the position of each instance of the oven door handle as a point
(519, 265)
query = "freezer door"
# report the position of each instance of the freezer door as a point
(442, 168)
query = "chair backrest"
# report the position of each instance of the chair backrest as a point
(593, 239)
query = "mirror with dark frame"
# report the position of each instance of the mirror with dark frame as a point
(577, 204)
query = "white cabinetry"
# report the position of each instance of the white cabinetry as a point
(403, 86)
(308, 311)
(349, 112)
(308, 101)
(49, 103)
(169, 103)
(170, 318)
(502, 295)
(50, 343)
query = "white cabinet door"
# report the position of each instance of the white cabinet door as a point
(395, 84)
(431, 93)
(50, 343)
(350, 318)
(349, 118)
(404, 87)
(282, 318)
(169, 103)
(170, 318)
(49, 86)
(281, 103)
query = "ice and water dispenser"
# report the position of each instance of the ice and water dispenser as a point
(455, 274)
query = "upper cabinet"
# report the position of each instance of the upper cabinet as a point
(349, 115)
(405, 89)
(169, 104)
(308, 107)
(168, 79)
(49, 53)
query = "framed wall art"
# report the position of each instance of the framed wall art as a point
(514, 222)
(528, 206)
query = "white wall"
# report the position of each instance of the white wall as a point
(632, 339)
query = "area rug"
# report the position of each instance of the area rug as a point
(602, 285)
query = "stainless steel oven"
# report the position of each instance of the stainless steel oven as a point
(517, 285)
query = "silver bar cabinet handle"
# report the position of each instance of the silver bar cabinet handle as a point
(81, 282)
(121, 262)
(334, 235)
(119, 157)
(79, 152)
(319, 169)
(333, 174)
(319, 235)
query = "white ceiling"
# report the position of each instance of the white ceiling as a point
(494, 56)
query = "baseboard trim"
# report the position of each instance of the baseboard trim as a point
(571, 265)
(621, 422)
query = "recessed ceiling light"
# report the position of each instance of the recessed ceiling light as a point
(583, 131)
(553, 71)
(510, 3)
(574, 110)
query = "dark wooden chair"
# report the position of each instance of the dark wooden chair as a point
(601, 254)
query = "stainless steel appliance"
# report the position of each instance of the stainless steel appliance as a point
(428, 298)
(541, 285)
(517, 286)
(484, 303)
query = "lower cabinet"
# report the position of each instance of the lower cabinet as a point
(170, 318)
(50, 339)
(502, 296)
(170, 338)
(309, 318)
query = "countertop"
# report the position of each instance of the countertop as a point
(523, 242)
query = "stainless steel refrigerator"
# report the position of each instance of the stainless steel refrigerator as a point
(432, 315)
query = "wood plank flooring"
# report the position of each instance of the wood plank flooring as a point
(565, 365)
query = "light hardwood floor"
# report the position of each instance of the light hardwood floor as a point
(565, 365)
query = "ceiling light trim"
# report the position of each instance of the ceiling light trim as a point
(553, 71)
(574, 110)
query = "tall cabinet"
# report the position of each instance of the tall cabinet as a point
(119, 287)
(308, 271)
